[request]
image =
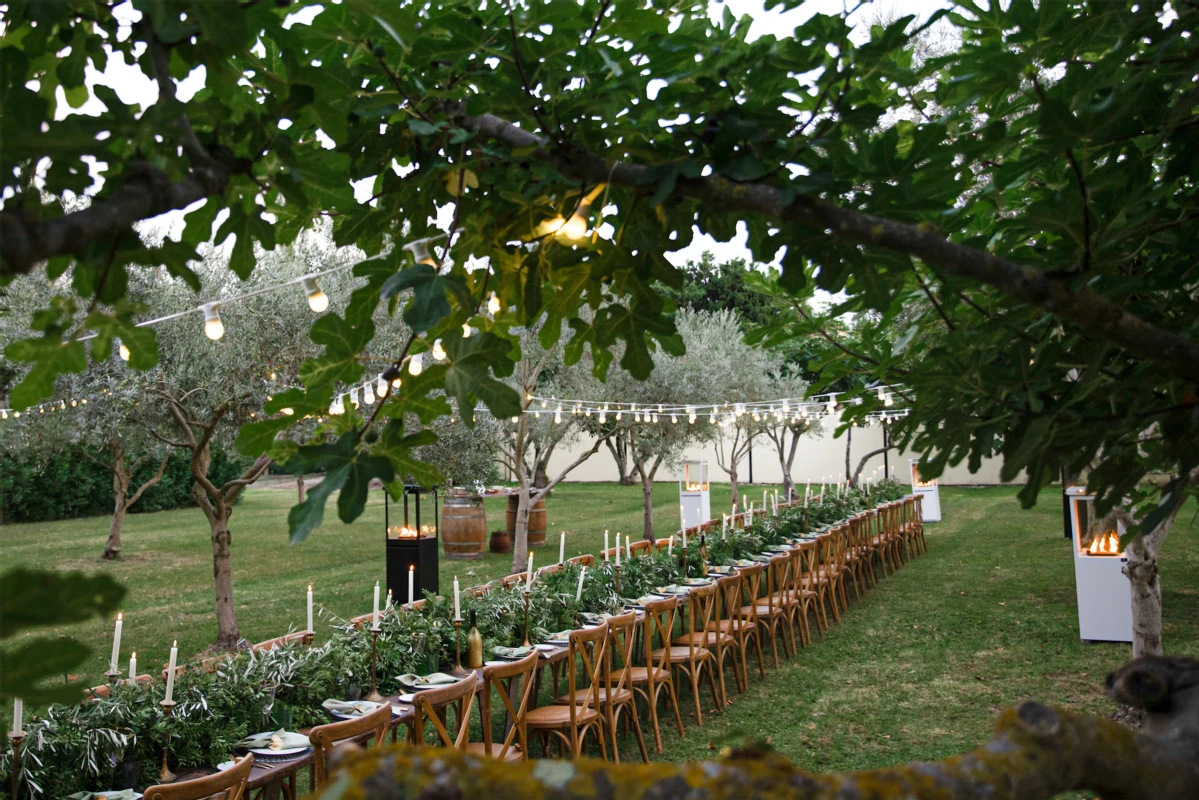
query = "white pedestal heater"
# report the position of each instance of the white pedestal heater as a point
(929, 491)
(695, 506)
(1104, 593)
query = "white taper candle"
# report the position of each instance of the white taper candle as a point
(116, 643)
(171, 671)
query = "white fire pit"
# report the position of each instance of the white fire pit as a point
(1104, 593)
(929, 491)
(695, 506)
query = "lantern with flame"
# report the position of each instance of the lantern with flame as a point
(412, 544)
(1104, 593)
(695, 505)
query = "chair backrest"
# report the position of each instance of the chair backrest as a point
(228, 785)
(641, 546)
(585, 560)
(500, 678)
(588, 648)
(549, 570)
(662, 544)
(701, 601)
(610, 554)
(803, 567)
(480, 590)
(462, 694)
(728, 589)
(778, 581)
(751, 588)
(659, 624)
(622, 638)
(515, 578)
(271, 644)
(104, 690)
(325, 737)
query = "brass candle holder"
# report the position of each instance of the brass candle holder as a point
(686, 564)
(374, 696)
(527, 594)
(164, 774)
(616, 583)
(113, 676)
(458, 671)
(16, 737)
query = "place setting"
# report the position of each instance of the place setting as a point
(280, 745)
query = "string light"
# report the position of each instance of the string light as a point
(467, 330)
(420, 251)
(123, 351)
(318, 301)
(438, 350)
(416, 364)
(354, 397)
(213, 327)
(368, 394)
(493, 304)
(381, 388)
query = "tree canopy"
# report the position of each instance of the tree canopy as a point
(1039, 198)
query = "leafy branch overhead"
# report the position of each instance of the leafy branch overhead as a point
(1005, 188)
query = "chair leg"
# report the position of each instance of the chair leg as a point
(612, 728)
(758, 648)
(693, 675)
(652, 702)
(674, 701)
(637, 731)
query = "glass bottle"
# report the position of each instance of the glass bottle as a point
(474, 644)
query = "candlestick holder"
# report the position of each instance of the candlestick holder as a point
(374, 696)
(616, 583)
(16, 737)
(686, 565)
(458, 671)
(308, 637)
(164, 774)
(527, 595)
(113, 676)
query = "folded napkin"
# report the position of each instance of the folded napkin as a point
(560, 636)
(436, 679)
(123, 794)
(512, 652)
(352, 708)
(594, 619)
(673, 588)
(640, 601)
(279, 740)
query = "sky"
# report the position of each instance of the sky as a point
(133, 86)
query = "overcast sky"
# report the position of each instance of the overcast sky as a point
(133, 86)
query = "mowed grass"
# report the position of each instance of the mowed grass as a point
(916, 670)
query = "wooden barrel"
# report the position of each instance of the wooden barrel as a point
(536, 521)
(463, 527)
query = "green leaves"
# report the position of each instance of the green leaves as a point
(246, 226)
(431, 292)
(468, 376)
(51, 357)
(343, 342)
(31, 599)
(347, 468)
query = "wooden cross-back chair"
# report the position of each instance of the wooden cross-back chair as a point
(325, 737)
(615, 693)
(104, 690)
(809, 601)
(506, 680)
(549, 569)
(428, 702)
(641, 546)
(228, 785)
(741, 627)
(858, 553)
(689, 654)
(650, 681)
(279, 641)
(585, 560)
(570, 723)
(610, 554)
(508, 581)
(771, 606)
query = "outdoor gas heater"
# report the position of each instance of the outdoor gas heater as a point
(930, 493)
(412, 546)
(1104, 592)
(695, 505)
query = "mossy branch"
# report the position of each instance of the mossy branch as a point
(1036, 752)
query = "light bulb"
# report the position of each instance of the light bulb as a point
(420, 251)
(416, 364)
(493, 304)
(396, 383)
(558, 415)
(890, 401)
(354, 396)
(691, 418)
(637, 417)
(213, 327)
(83, 401)
(785, 408)
(336, 408)
(3, 414)
(368, 394)
(831, 408)
(466, 330)
(123, 351)
(574, 228)
(673, 419)
(882, 393)
(287, 412)
(318, 301)
(439, 351)
(16, 415)
(381, 387)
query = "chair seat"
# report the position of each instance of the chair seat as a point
(680, 655)
(636, 675)
(557, 716)
(764, 610)
(479, 749)
(583, 696)
(708, 638)
(732, 625)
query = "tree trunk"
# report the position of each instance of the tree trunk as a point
(520, 537)
(732, 471)
(848, 444)
(1142, 573)
(619, 449)
(300, 492)
(228, 634)
(112, 548)
(647, 503)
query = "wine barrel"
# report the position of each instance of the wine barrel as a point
(463, 527)
(536, 521)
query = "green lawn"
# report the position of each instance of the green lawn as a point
(916, 670)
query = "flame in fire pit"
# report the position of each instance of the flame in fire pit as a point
(1106, 545)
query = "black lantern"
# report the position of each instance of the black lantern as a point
(412, 547)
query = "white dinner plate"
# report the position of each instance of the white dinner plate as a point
(547, 647)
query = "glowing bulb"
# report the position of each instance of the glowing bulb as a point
(673, 419)
(558, 415)
(466, 330)
(83, 401)
(785, 408)
(396, 383)
(637, 417)
(287, 412)
(368, 394)
(213, 327)
(420, 251)
(493, 304)
(381, 388)
(439, 351)
(354, 396)
(3, 414)
(574, 228)
(16, 415)
(336, 408)
(882, 393)
(124, 352)
(416, 364)
(318, 301)
(890, 401)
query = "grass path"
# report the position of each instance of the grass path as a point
(916, 670)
